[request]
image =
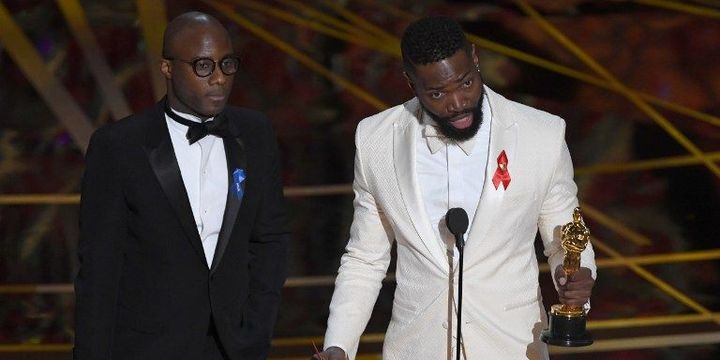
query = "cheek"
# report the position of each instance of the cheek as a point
(477, 92)
(188, 87)
(436, 107)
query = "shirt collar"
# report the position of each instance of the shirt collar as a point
(190, 117)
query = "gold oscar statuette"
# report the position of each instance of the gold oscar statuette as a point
(567, 323)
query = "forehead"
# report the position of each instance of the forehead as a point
(443, 72)
(201, 40)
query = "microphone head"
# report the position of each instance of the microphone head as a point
(457, 221)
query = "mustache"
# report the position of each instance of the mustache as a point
(446, 128)
(458, 115)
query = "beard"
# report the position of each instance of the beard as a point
(453, 133)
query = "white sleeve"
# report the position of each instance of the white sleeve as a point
(362, 268)
(557, 209)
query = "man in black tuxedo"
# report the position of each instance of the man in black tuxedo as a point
(183, 235)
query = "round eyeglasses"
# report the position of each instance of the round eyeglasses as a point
(204, 66)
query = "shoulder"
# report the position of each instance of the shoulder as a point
(248, 119)
(245, 114)
(530, 120)
(380, 126)
(130, 129)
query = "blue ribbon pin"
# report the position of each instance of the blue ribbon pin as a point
(238, 178)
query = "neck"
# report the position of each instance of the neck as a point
(179, 107)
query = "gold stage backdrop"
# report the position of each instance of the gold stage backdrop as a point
(638, 83)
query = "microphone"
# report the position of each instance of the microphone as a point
(457, 222)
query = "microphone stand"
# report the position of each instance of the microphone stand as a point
(457, 222)
(461, 249)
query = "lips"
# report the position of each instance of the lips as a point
(216, 97)
(462, 122)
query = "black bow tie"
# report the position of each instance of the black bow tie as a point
(199, 130)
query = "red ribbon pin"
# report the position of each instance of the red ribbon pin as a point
(502, 175)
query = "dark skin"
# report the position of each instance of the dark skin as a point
(449, 88)
(197, 36)
(577, 290)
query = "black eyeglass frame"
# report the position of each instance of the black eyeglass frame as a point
(193, 63)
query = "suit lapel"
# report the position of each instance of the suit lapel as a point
(406, 132)
(236, 159)
(503, 137)
(164, 164)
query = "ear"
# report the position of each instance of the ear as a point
(475, 58)
(409, 81)
(166, 68)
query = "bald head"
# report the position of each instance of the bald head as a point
(188, 22)
(195, 41)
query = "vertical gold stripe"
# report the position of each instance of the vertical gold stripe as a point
(50, 89)
(153, 19)
(113, 96)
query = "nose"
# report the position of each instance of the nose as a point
(456, 103)
(217, 77)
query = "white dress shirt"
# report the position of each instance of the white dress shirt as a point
(451, 174)
(203, 167)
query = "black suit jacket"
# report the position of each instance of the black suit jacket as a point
(144, 290)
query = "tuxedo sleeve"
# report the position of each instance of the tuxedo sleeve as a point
(362, 267)
(268, 256)
(558, 205)
(100, 249)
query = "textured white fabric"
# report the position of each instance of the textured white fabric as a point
(502, 309)
(451, 174)
(203, 167)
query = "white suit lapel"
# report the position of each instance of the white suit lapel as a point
(406, 131)
(503, 137)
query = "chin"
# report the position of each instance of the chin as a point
(451, 132)
(211, 111)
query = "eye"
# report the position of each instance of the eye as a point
(229, 64)
(468, 83)
(436, 94)
(203, 65)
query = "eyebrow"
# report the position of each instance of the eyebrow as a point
(459, 79)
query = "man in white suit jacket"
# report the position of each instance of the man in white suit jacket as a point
(456, 144)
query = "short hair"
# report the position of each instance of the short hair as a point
(431, 39)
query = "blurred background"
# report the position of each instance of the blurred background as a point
(638, 83)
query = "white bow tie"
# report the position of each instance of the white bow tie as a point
(436, 140)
